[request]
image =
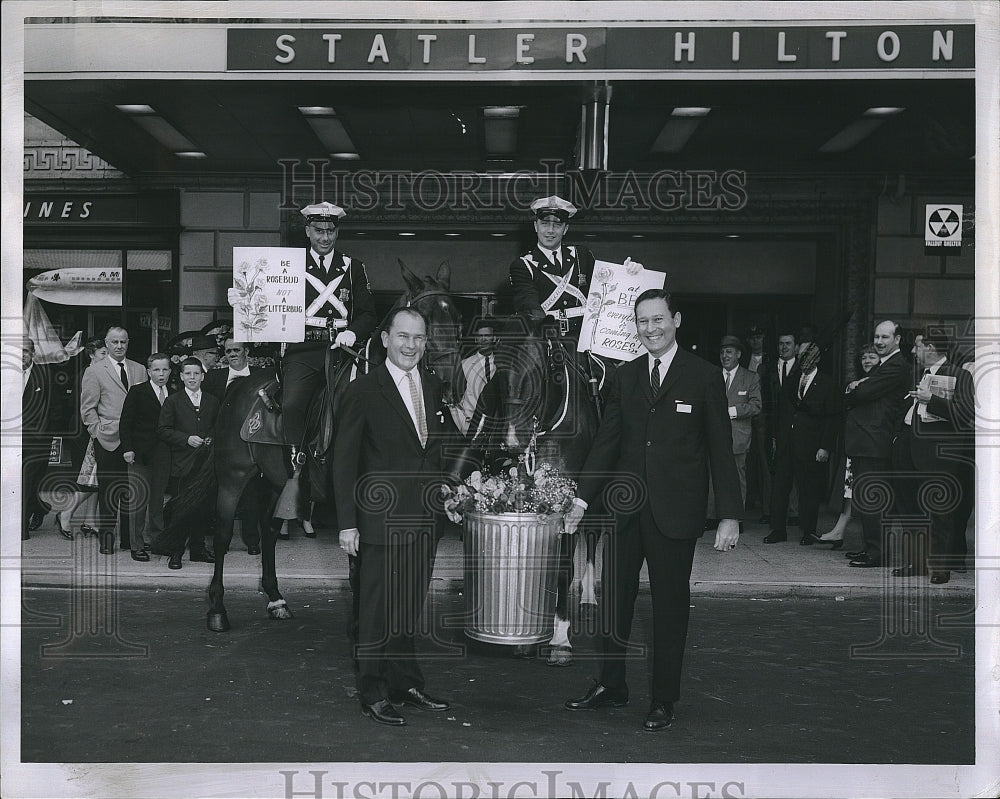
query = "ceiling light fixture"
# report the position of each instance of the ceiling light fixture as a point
(683, 122)
(151, 121)
(193, 154)
(696, 111)
(860, 129)
(406, 234)
(330, 131)
(883, 111)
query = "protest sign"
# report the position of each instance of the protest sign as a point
(270, 283)
(609, 322)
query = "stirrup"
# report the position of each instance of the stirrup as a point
(298, 456)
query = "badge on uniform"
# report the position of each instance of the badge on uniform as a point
(344, 295)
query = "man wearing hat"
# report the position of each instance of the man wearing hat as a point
(338, 298)
(744, 403)
(206, 349)
(552, 279)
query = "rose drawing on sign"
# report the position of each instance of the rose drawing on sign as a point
(597, 300)
(252, 303)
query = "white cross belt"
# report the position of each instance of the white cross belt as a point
(326, 295)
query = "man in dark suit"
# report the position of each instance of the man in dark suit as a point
(665, 425)
(392, 428)
(879, 401)
(36, 438)
(936, 445)
(148, 457)
(187, 419)
(337, 297)
(781, 381)
(251, 507)
(102, 395)
(804, 440)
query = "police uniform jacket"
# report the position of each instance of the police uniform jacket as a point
(534, 278)
(353, 292)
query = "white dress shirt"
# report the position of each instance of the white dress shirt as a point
(665, 360)
(403, 387)
(791, 365)
(194, 396)
(234, 373)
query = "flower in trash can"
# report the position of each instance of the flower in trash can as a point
(512, 489)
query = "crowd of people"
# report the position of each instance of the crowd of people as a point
(714, 440)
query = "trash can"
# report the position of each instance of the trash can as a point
(511, 565)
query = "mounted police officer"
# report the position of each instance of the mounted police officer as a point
(339, 306)
(552, 279)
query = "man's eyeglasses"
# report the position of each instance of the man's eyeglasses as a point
(234, 351)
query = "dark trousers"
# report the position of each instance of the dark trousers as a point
(393, 586)
(302, 375)
(34, 463)
(811, 479)
(939, 497)
(669, 563)
(871, 496)
(196, 532)
(113, 491)
(147, 483)
(759, 466)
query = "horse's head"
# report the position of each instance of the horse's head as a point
(430, 296)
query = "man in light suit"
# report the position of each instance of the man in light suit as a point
(148, 458)
(102, 395)
(879, 400)
(743, 396)
(477, 370)
(392, 429)
(187, 420)
(666, 426)
(936, 445)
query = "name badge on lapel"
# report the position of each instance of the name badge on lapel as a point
(682, 407)
(741, 393)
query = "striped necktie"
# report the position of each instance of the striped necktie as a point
(418, 409)
(654, 377)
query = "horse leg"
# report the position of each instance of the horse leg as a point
(560, 649)
(277, 608)
(225, 509)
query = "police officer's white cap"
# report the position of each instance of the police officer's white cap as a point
(323, 212)
(553, 206)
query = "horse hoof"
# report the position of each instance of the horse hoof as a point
(218, 622)
(279, 610)
(560, 656)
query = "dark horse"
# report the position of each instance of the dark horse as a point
(546, 389)
(237, 461)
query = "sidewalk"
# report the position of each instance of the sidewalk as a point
(753, 569)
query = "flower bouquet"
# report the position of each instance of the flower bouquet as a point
(516, 487)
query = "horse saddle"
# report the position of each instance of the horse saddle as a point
(263, 421)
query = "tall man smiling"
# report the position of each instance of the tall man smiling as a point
(389, 442)
(666, 426)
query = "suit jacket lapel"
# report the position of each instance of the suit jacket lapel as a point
(396, 401)
(112, 366)
(676, 367)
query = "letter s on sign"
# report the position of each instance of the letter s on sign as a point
(283, 43)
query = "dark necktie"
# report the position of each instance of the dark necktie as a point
(486, 368)
(784, 371)
(124, 375)
(654, 377)
(321, 264)
(557, 261)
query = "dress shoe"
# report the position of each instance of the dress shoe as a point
(711, 524)
(86, 529)
(774, 537)
(67, 534)
(909, 570)
(201, 556)
(253, 549)
(414, 697)
(308, 529)
(836, 543)
(659, 717)
(598, 696)
(864, 561)
(107, 543)
(35, 520)
(940, 578)
(854, 555)
(175, 561)
(384, 713)
(806, 540)
(142, 556)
